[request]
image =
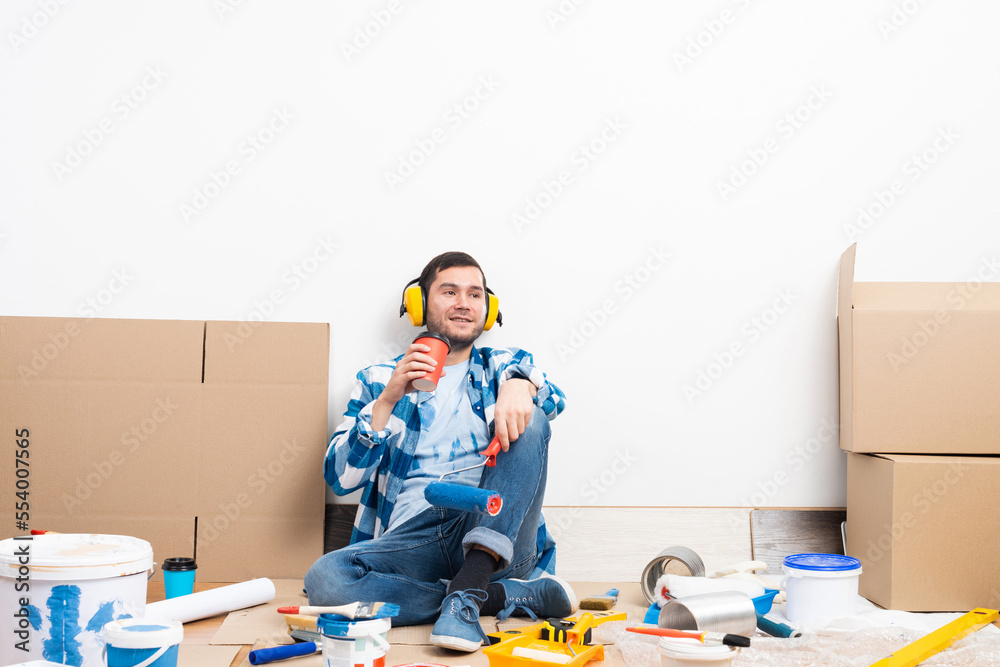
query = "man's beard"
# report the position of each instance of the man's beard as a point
(458, 341)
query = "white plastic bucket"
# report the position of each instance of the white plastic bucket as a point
(354, 643)
(820, 587)
(681, 652)
(57, 592)
(143, 642)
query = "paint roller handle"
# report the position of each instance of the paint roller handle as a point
(579, 631)
(776, 629)
(491, 452)
(264, 655)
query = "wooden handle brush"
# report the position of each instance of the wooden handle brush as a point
(704, 637)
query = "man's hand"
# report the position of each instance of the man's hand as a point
(416, 363)
(513, 409)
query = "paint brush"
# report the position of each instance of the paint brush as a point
(349, 611)
(600, 602)
(704, 637)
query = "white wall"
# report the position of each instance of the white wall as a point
(156, 97)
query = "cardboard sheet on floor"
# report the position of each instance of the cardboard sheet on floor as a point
(263, 622)
(198, 655)
(402, 654)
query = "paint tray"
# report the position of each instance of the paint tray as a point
(762, 603)
(501, 655)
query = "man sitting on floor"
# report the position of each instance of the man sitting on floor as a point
(395, 440)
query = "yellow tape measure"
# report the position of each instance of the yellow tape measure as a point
(937, 641)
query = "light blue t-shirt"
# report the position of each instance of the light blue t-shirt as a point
(450, 441)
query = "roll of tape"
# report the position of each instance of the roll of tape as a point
(672, 560)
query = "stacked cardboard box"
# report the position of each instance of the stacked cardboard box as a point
(136, 427)
(920, 416)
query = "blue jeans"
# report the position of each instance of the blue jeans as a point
(411, 565)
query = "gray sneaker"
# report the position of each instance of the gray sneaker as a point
(458, 626)
(547, 596)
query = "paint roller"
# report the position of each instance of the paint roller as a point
(467, 498)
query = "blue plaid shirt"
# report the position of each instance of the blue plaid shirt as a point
(378, 461)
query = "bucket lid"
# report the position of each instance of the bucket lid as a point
(822, 562)
(143, 633)
(682, 647)
(75, 557)
(334, 625)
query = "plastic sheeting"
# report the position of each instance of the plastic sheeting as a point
(849, 642)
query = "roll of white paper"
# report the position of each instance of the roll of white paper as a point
(216, 601)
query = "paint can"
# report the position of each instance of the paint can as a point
(57, 592)
(672, 560)
(143, 642)
(820, 587)
(731, 612)
(349, 643)
(681, 652)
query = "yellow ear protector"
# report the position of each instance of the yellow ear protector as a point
(414, 305)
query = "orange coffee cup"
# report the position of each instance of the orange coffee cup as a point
(440, 347)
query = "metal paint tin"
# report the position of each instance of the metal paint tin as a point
(672, 560)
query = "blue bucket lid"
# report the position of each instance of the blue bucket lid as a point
(822, 562)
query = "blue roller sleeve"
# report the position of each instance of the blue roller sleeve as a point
(776, 629)
(458, 497)
(265, 655)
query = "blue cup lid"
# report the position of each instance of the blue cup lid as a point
(822, 562)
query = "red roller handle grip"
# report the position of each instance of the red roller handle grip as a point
(491, 452)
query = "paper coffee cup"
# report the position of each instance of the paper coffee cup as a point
(439, 351)
(178, 576)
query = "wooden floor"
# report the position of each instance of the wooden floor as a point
(198, 633)
(409, 645)
(591, 551)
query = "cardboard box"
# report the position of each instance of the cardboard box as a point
(136, 427)
(926, 530)
(918, 365)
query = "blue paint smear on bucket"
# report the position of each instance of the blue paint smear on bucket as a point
(34, 617)
(64, 615)
(104, 615)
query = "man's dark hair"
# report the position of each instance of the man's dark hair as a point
(444, 261)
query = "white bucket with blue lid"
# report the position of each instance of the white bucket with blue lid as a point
(820, 587)
(348, 643)
(73, 585)
(143, 642)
